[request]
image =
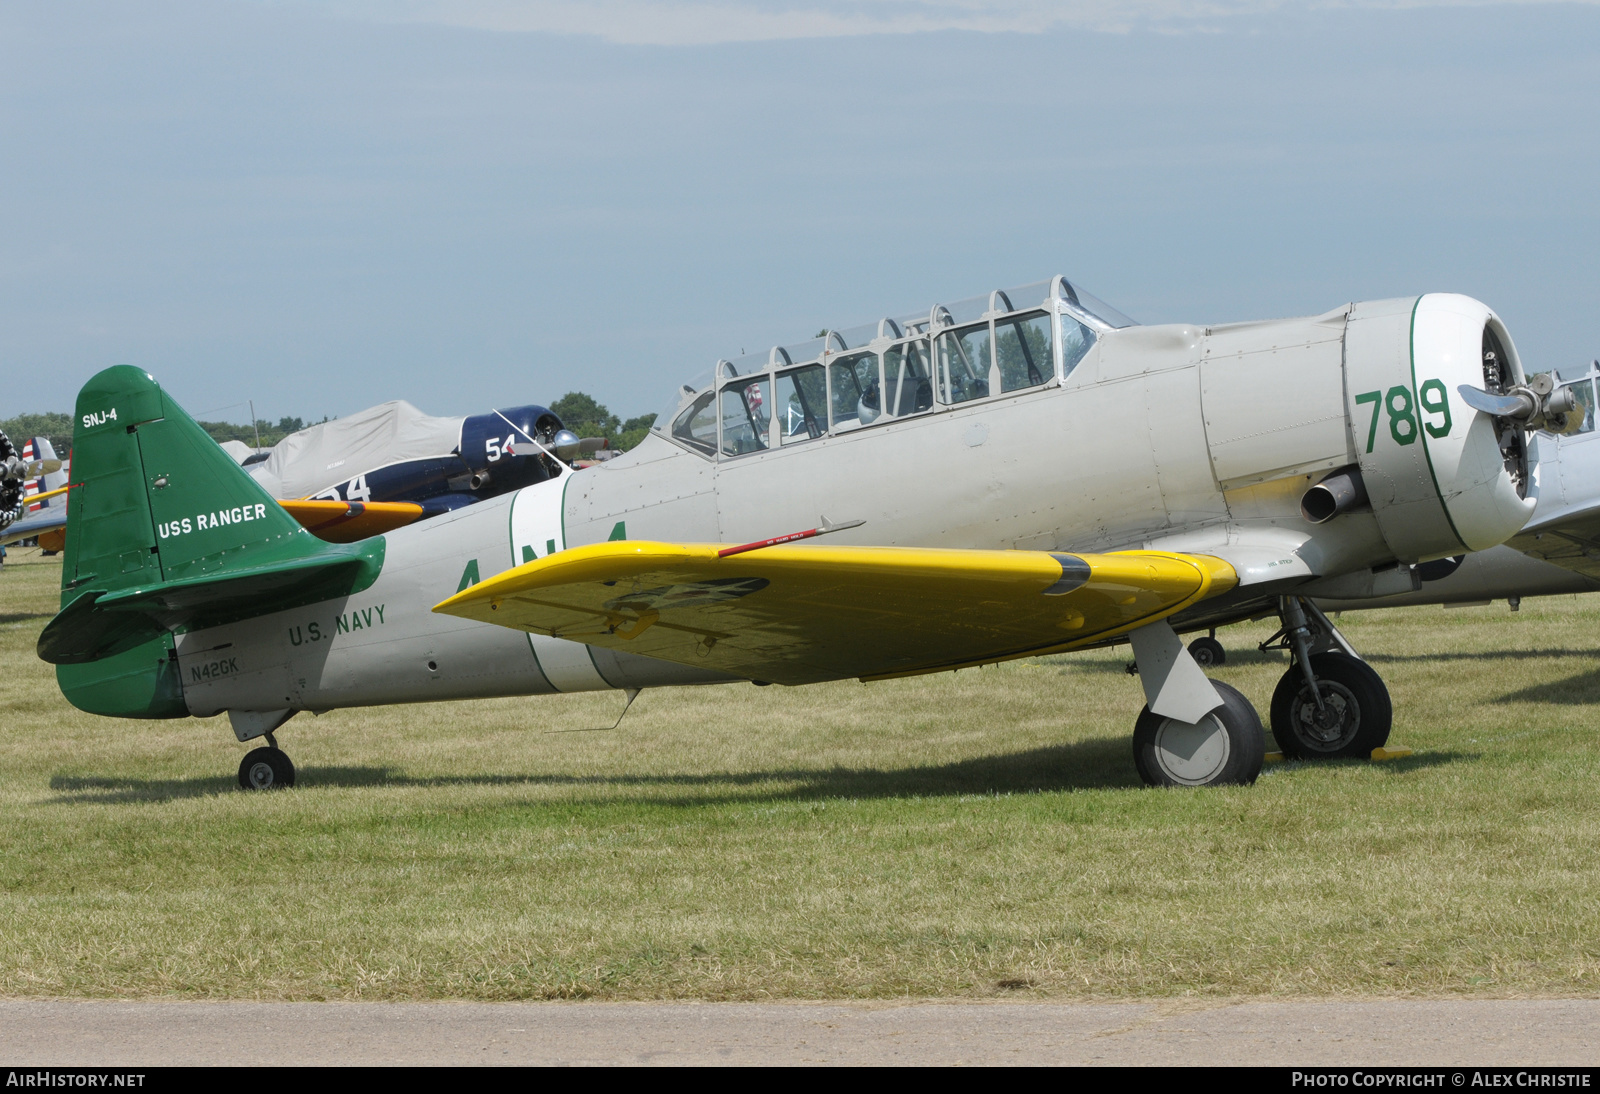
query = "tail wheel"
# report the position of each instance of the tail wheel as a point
(1225, 748)
(266, 769)
(1356, 714)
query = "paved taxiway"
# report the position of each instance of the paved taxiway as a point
(1368, 1032)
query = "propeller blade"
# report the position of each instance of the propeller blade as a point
(43, 467)
(1501, 406)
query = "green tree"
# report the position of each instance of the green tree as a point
(55, 428)
(585, 417)
(633, 431)
(269, 434)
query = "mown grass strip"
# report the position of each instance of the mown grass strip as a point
(976, 834)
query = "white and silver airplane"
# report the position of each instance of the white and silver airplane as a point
(1023, 473)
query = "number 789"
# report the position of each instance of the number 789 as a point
(1402, 412)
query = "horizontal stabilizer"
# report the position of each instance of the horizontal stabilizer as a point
(97, 623)
(799, 614)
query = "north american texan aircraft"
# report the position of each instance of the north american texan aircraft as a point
(1027, 472)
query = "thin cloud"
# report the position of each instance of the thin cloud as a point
(708, 22)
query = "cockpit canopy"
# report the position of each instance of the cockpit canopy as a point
(1006, 341)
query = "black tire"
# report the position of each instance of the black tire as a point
(1208, 652)
(1351, 690)
(266, 769)
(1225, 748)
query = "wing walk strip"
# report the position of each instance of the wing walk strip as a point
(800, 614)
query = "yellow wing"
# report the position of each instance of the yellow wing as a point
(800, 614)
(348, 521)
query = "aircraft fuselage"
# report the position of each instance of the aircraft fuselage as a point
(1171, 437)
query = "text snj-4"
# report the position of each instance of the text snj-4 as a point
(99, 417)
(201, 522)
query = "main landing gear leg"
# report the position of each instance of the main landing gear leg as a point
(1193, 731)
(1329, 704)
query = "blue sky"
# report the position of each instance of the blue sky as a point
(468, 203)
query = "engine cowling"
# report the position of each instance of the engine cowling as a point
(1440, 476)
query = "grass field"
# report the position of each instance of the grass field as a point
(971, 834)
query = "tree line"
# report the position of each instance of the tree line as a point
(588, 418)
(57, 429)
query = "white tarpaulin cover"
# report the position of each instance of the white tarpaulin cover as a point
(314, 459)
(237, 449)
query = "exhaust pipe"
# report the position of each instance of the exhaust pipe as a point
(1338, 493)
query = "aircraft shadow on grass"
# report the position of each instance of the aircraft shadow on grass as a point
(1580, 690)
(1068, 663)
(1485, 655)
(1086, 765)
(24, 617)
(1241, 657)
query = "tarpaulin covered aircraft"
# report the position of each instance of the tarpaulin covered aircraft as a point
(391, 464)
(1024, 473)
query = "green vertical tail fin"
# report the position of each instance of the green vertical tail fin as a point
(156, 498)
(166, 531)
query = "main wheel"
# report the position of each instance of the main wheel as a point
(1207, 652)
(266, 769)
(1355, 717)
(1225, 747)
